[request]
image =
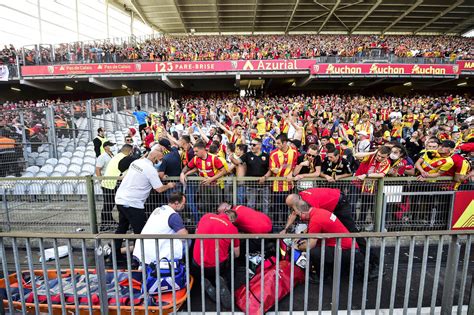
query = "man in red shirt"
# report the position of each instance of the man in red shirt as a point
(248, 220)
(251, 221)
(323, 221)
(330, 199)
(212, 223)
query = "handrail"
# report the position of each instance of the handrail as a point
(197, 178)
(234, 236)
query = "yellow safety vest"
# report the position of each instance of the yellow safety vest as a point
(112, 170)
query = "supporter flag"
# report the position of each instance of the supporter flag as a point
(4, 73)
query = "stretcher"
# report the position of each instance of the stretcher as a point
(70, 307)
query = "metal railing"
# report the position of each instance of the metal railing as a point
(417, 271)
(68, 204)
(42, 133)
(92, 52)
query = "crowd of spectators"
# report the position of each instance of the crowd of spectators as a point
(301, 137)
(204, 48)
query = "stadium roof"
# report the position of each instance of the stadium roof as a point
(304, 16)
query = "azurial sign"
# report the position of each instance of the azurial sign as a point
(310, 65)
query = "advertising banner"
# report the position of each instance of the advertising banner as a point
(345, 69)
(463, 212)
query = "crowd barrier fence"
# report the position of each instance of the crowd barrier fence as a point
(64, 127)
(432, 273)
(78, 52)
(70, 204)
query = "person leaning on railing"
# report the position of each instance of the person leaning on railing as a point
(133, 192)
(373, 166)
(210, 168)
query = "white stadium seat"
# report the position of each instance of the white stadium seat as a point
(35, 188)
(60, 168)
(67, 155)
(20, 188)
(47, 169)
(89, 169)
(40, 161)
(90, 153)
(56, 174)
(50, 188)
(67, 188)
(41, 174)
(79, 154)
(77, 160)
(52, 161)
(75, 168)
(89, 160)
(64, 160)
(70, 174)
(81, 189)
(33, 169)
(28, 174)
(81, 148)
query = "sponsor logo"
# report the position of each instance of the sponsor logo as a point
(51, 69)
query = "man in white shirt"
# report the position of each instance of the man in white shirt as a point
(363, 145)
(104, 159)
(164, 220)
(135, 188)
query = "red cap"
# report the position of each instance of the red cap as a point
(133, 131)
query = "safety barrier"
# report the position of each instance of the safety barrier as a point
(69, 204)
(417, 271)
(43, 133)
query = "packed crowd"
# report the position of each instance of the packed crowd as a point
(295, 138)
(8, 55)
(299, 138)
(202, 48)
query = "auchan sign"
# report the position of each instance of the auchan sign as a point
(308, 65)
(382, 69)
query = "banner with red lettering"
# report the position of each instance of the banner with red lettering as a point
(463, 211)
(351, 69)
(346, 69)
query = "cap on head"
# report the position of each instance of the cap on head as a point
(133, 131)
(165, 143)
(108, 144)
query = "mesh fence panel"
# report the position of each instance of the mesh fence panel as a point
(60, 204)
(418, 205)
(39, 205)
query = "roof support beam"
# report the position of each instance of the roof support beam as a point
(292, 15)
(140, 13)
(452, 7)
(329, 15)
(254, 16)
(401, 17)
(180, 16)
(310, 20)
(376, 4)
(218, 18)
(38, 85)
(335, 15)
(170, 82)
(304, 81)
(461, 26)
(109, 85)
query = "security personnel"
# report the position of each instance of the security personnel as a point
(109, 188)
(99, 142)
